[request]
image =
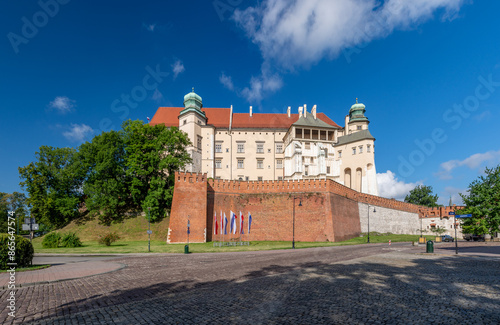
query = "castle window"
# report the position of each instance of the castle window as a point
(247, 178)
(280, 178)
(218, 163)
(368, 148)
(260, 148)
(340, 153)
(184, 123)
(279, 147)
(268, 150)
(259, 178)
(198, 142)
(218, 147)
(308, 145)
(260, 163)
(353, 150)
(241, 163)
(227, 149)
(328, 170)
(359, 127)
(279, 163)
(241, 147)
(326, 152)
(312, 160)
(306, 171)
(360, 149)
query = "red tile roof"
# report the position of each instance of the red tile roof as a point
(219, 117)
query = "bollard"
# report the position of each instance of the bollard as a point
(430, 247)
(186, 249)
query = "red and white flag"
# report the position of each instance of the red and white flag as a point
(241, 223)
(216, 226)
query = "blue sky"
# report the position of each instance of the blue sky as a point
(427, 71)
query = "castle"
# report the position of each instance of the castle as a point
(258, 147)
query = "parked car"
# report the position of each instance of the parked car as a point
(447, 238)
(473, 237)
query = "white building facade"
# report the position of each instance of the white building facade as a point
(257, 147)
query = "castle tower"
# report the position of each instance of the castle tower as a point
(356, 151)
(191, 121)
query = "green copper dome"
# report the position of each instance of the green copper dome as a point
(192, 102)
(357, 113)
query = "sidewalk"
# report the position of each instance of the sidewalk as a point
(62, 272)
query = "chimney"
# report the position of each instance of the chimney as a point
(305, 110)
(251, 111)
(346, 125)
(313, 111)
(288, 111)
(230, 118)
(300, 111)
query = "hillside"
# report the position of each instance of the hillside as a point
(129, 230)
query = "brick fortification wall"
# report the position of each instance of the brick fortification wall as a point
(329, 210)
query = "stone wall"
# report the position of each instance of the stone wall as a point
(388, 220)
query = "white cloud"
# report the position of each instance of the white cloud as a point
(177, 68)
(452, 192)
(62, 104)
(261, 85)
(473, 162)
(390, 187)
(78, 132)
(294, 34)
(303, 32)
(226, 81)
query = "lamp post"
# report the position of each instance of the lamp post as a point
(293, 224)
(369, 221)
(149, 229)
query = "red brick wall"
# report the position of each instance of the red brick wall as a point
(329, 210)
(190, 199)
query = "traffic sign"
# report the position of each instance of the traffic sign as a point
(34, 226)
(150, 232)
(464, 216)
(26, 227)
(452, 213)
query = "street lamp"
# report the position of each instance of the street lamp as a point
(369, 221)
(149, 229)
(293, 234)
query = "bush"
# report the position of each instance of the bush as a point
(51, 240)
(71, 240)
(24, 251)
(108, 239)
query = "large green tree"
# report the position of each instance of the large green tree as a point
(106, 186)
(153, 154)
(54, 184)
(422, 195)
(483, 202)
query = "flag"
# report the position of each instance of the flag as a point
(221, 224)
(225, 224)
(215, 223)
(188, 227)
(233, 222)
(249, 221)
(241, 223)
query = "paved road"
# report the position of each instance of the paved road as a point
(335, 285)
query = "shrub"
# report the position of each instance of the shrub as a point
(51, 240)
(71, 240)
(108, 239)
(24, 251)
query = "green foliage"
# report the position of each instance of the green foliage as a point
(438, 230)
(51, 240)
(422, 195)
(23, 251)
(71, 240)
(154, 153)
(53, 183)
(108, 239)
(106, 187)
(483, 202)
(12, 202)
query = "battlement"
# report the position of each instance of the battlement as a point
(190, 177)
(248, 187)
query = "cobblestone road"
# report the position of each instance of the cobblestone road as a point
(336, 285)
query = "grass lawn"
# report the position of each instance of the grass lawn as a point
(29, 268)
(131, 246)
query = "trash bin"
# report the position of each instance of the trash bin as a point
(430, 247)
(186, 249)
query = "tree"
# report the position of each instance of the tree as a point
(153, 154)
(483, 202)
(422, 195)
(54, 185)
(12, 202)
(4, 211)
(106, 186)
